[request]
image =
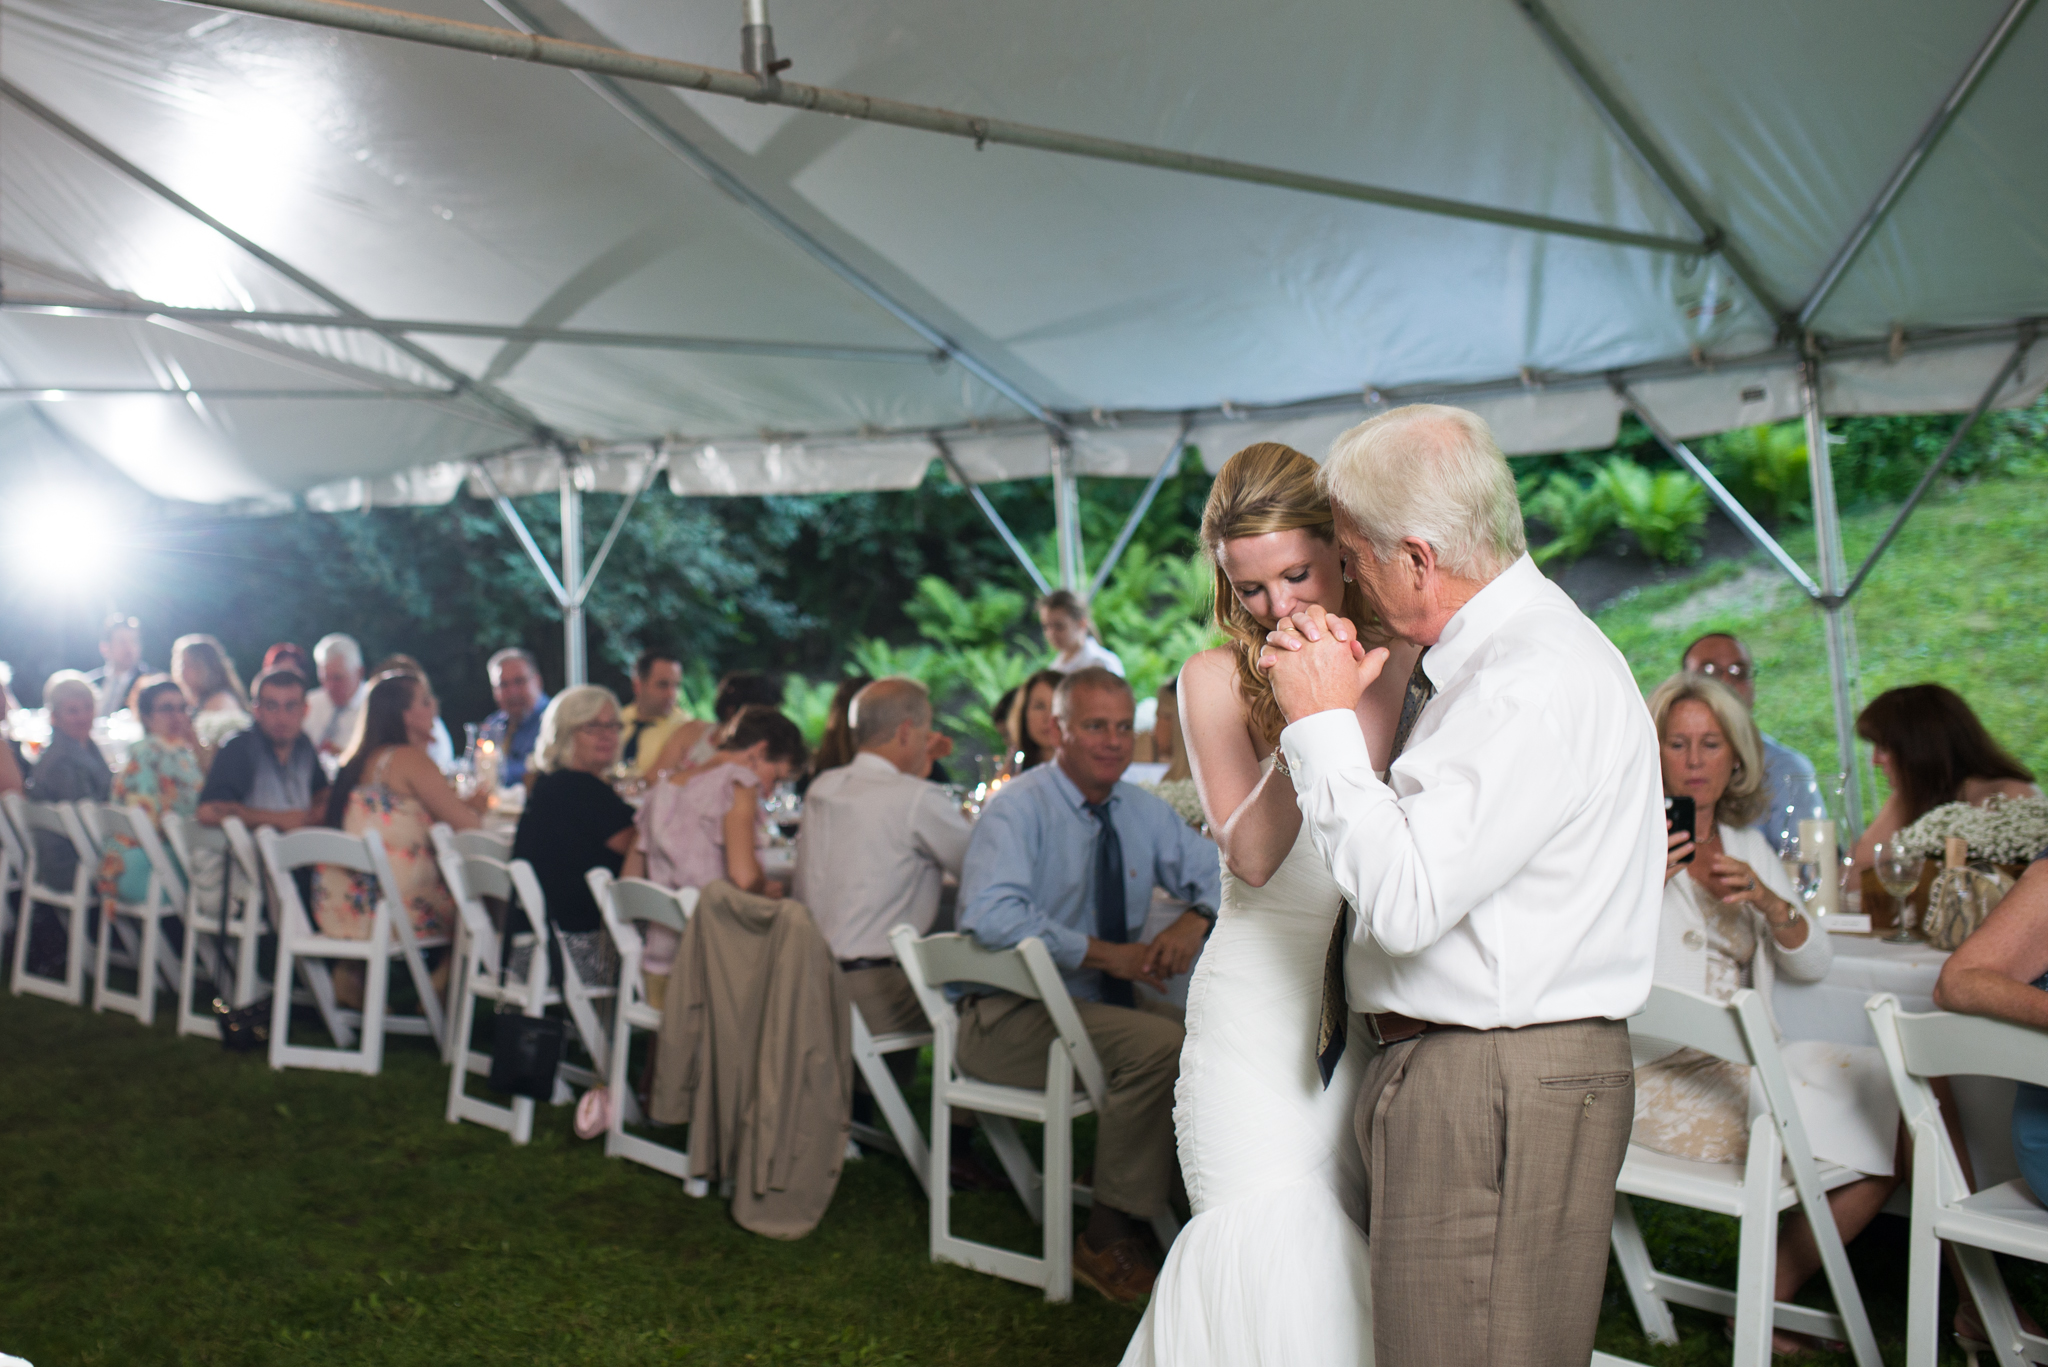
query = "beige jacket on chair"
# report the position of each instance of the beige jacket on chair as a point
(756, 1056)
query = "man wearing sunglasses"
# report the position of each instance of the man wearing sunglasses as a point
(1724, 658)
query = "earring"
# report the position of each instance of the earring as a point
(1349, 580)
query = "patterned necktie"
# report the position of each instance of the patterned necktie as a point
(1109, 899)
(1335, 1025)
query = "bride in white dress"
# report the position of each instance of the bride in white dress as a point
(1272, 1269)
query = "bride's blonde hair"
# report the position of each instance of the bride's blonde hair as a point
(1264, 488)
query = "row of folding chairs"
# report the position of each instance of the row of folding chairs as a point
(1781, 1172)
(222, 928)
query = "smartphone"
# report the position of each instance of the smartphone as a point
(1680, 814)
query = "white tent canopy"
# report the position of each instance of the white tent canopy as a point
(243, 257)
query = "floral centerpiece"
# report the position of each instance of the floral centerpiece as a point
(1180, 795)
(2005, 830)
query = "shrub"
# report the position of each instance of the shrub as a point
(1666, 510)
(1765, 468)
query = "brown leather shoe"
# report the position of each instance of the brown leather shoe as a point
(1121, 1272)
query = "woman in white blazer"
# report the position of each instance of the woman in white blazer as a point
(1732, 919)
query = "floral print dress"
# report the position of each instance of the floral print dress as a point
(345, 902)
(161, 776)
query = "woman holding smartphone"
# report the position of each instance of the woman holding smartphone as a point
(1732, 919)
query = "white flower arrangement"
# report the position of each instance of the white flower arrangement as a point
(1182, 797)
(2005, 830)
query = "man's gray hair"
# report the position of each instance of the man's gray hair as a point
(68, 682)
(1094, 676)
(571, 709)
(335, 643)
(1434, 472)
(497, 661)
(886, 704)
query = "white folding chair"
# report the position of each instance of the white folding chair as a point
(481, 844)
(1028, 971)
(623, 902)
(1781, 1172)
(2004, 1219)
(300, 946)
(480, 975)
(231, 912)
(59, 821)
(903, 1138)
(162, 898)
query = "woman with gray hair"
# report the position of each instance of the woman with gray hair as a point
(1732, 919)
(573, 821)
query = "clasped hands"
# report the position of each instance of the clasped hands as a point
(1169, 953)
(1317, 663)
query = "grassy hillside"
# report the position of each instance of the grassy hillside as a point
(1961, 598)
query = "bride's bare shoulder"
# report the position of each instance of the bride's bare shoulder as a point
(1211, 673)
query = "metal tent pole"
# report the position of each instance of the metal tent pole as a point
(575, 663)
(995, 519)
(1066, 512)
(1169, 465)
(1835, 610)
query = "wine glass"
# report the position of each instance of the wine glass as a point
(1898, 871)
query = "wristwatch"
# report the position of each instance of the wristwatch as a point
(1207, 914)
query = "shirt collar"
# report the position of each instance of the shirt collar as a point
(1487, 611)
(869, 760)
(1066, 788)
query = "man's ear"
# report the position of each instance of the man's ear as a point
(1421, 558)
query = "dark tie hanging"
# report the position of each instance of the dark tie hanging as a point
(1110, 923)
(632, 750)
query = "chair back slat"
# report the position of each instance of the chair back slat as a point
(188, 839)
(89, 818)
(169, 875)
(12, 840)
(60, 819)
(1697, 1022)
(303, 848)
(470, 879)
(1940, 1044)
(482, 843)
(636, 899)
(960, 958)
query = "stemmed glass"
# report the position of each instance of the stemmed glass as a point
(1898, 871)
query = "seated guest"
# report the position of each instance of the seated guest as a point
(162, 775)
(441, 749)
(653, 716)
(1070, 854)
(334, 710)
(70, 769)
(1030, 733)
(693, 743)
(269, 775)
(574, 822)
(389, 785)
(219, 707)
(296, 658)
(515, 727)
(1932, 750)
(121, 650)
(1732, 919)
(1725, 659)
(2002, 971)
(1064, 617)
(874, 846)
(706, 824)
(838, 747)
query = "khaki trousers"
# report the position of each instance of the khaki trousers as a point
(1003, 1039)
(1491, 1157)
(888, 1006)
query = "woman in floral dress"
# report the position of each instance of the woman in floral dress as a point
(162, 775)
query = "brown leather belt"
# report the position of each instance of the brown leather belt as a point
(1391, 1027)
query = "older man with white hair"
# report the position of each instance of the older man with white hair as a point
(334, 709)
(1505, 877)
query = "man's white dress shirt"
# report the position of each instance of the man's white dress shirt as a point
(871, 853)
(1510, 870)
(1092, 652)
(328, 725)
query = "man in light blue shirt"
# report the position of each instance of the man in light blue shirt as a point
(1721, 656)
(1070, 854)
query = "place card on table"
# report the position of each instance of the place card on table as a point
(1847, 923)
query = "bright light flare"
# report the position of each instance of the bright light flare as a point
(62, 536)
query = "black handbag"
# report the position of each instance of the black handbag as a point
(525, 1051)
(243, 1029)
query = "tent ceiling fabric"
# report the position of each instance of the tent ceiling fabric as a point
(417, 183)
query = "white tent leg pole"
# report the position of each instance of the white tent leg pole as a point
(574, 663)
(526, 541)
(995, 519)
(1827, 523)
(1066, 512)
(1166, 467)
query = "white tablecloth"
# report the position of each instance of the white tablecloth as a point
(1832, 1009)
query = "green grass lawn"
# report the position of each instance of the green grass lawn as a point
(164, 1202)
(1961, 598)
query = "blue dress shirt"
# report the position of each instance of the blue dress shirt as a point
(517, 748)
(1786, 772)
(1030, 868)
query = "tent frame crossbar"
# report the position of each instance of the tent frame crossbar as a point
(1902, 175)
(988, 510)
(502, 405)
(606, 63)
(637, 112)
(1167, 466)
(392, 327)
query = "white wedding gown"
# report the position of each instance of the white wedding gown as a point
(1272, 1270)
